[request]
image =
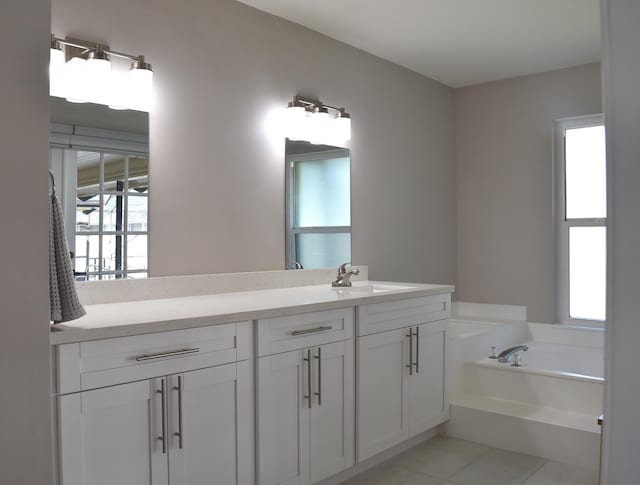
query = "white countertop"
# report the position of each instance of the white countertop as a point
(148, 316)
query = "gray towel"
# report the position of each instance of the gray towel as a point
(64, 304)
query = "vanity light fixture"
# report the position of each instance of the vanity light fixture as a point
(316, 122)
(87, 75)
(343, 122)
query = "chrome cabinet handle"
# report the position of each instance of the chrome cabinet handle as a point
(410, 365)
(319, 393)
(417, 350)
(162, 355)
(307, 359)
(180, 432)
(311, 330)
(163, 396)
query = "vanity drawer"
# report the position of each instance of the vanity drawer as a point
(380, 317)
(282, 334)
(100, 363)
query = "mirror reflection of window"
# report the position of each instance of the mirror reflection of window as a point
(318, 206)
(102, 175)
(111, 216)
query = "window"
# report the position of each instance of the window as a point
(104, 192)
(582, 219)
(318, 209)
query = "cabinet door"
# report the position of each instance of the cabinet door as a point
(427, 384)
(331, 419)
(283, 418)
(211, 426)
(383, 392)
(114, 435)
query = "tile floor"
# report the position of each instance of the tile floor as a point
(450, 461)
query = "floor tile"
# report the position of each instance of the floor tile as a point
(498, 467)
(554, 473)
(441, 457)
(390, 474)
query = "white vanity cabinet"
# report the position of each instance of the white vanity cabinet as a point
(402, 353)
(305, 397)
(186, 417)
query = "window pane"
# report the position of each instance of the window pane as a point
(87, 213)
(112, 212)
(322, 193)
(323, 250)
(585, 168)
(88, 164)
(136, 252)
(112, 253)
(587, 272)
(137, 213)
(114, 172)
(138, 175)
(87, 253)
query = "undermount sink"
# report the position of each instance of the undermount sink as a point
(374, 288)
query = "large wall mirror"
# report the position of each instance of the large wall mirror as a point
(318, 205)
(100, 160)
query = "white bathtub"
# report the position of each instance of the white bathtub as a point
(557, 360)
(548, 407)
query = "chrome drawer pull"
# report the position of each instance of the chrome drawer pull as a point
(307, 359)
(162, 355)
(417, 350)
(180, 432)
(311, 330)
(410, 364)
(319, 393)
(163, 404)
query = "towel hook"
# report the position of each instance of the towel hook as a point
(52, 178)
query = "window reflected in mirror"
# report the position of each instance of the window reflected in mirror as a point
(102, 180)
(318, 203)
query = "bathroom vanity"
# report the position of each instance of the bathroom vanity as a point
(274, 386)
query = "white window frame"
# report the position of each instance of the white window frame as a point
(291, 229)
(562, 225)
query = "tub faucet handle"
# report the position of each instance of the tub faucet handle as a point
(493, 353)
(516, 361)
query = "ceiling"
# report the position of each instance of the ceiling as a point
(457, 42)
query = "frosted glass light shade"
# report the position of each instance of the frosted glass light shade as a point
(296, 123)
(76, 80)
(57, 69)
(342, 128)
(98, 81)
(140, 89)
(320, 127)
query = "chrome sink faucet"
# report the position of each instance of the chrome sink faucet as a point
(344, 277)
(506, 354)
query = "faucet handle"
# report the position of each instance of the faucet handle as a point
(493, 353)
(343, 268)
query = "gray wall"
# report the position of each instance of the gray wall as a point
(25, 416)
(622, 116)
(506, 241)
(217, 176)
